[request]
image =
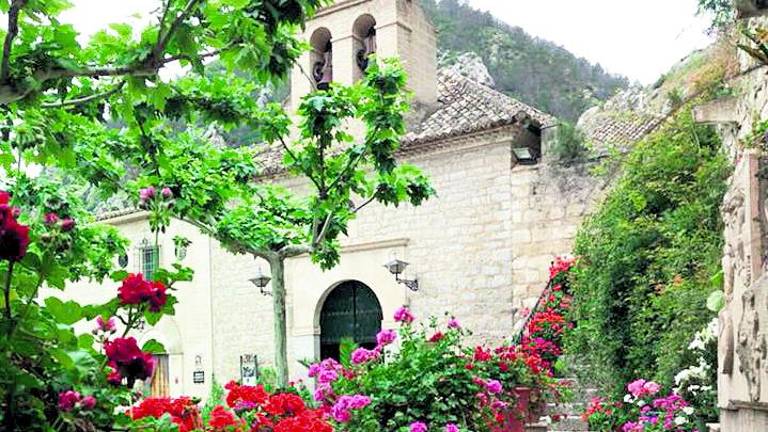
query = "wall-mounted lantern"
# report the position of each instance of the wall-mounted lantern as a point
(397, 267)
(261, 281)
(525, 155)
(198, 375)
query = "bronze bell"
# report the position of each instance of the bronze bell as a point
(323, 70)
(369, 47)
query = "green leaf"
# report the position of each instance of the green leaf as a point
(153, 347)
(66, 313)
(716, 301)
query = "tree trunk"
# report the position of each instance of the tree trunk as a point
(277, 267)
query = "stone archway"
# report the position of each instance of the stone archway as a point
(351, 310)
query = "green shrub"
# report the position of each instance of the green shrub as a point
(569, 145)
(648, 257)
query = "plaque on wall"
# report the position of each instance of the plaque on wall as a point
(198, 377)
(249, 369)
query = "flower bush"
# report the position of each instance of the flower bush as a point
(248, 409)
(649, 258)
(697, 383)
(643, 409)
(432, 381)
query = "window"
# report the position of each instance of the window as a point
(161, 383)
(149, 258)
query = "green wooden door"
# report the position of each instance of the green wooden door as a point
(350, 311)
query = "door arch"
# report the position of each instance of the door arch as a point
(351, 310)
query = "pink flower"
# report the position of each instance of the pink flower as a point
(493, 387)
(450, 427)
(147, 194)
(651, 387)
(68, 399)
(641, 387)
(386, 337)
(404, 315)
(418, 427)
(88, 403)
(498, 405)
(51, 218)
(67, 224)
(107, 326)
(453, 323)
(166, 192)
(362, 355)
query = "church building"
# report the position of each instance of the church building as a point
(479, 250)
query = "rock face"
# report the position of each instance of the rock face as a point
(470, 65)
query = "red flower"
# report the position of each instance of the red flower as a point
(437, 337)
(114, 378)
(183, 411)
(125, 356)
(133, 290)
(136, 290)
(223, 420)
(482, 355)
(307, 421)
(285, 404)
(156, 296)
(245, 396)
(14, 237)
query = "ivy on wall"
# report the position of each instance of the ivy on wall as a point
(650, 257)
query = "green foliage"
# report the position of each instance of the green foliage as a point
(569, 146)
(722, 12)
(650, 256)
(535, 71)
(215, 397)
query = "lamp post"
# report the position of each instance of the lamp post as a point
(261, 281)
(397, 267)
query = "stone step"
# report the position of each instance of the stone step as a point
(570, 423)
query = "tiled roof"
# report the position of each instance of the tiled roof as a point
(466, 106)
(619, 130)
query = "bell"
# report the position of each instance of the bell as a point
(369, 47)
(323, 70)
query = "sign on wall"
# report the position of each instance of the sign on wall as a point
(249, 369)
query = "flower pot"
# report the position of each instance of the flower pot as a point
(524, 412)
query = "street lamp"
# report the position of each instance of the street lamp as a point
(397, 267)
(261, 280)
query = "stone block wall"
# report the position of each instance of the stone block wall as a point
(743, 342)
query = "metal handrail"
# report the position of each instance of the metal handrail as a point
(517, 338)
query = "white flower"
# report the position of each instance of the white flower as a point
(547, 419)
(680, 420)
(641, 403)
(688, 410)
(628, 398)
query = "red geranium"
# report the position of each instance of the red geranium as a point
(14, 237)
(183, 411)
(285, 404)
(307, 421)
(244, 396)
(125, 356)
(224, 420)
(136, 290)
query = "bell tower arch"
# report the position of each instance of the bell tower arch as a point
(388, 28)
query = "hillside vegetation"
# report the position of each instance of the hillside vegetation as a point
(533, 70)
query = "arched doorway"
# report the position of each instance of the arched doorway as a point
(351, 310)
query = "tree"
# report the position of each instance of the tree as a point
(99, 115)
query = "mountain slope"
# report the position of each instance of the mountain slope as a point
(533, 70)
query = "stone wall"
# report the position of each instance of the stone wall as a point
(743, 343)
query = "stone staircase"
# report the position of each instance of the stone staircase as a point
(569, 413)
